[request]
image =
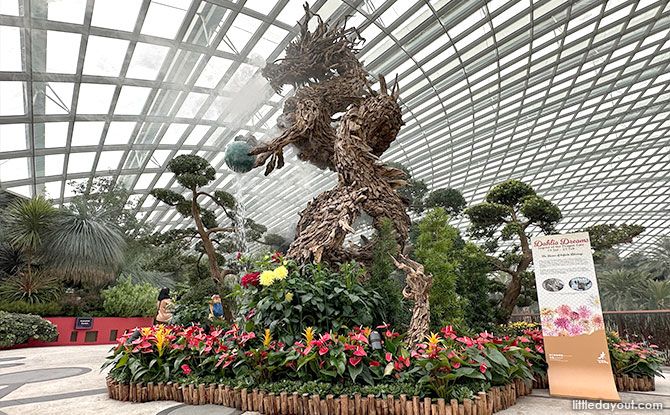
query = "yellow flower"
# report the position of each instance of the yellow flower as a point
(367, 331)
(309, 335)
(267, 278)
(146, 331)
(433, 339)
(161, 339)
(267, 338)
(288, 297)
(281, 272)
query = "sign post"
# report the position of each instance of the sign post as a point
(575, 343)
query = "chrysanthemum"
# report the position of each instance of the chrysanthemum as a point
(281, 272)
(267, 278)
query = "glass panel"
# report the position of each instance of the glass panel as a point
(164, 18)
(80, 162)
(53, 165)
(94, 98)
(119, 132)
(104, 56)
(116, 14)
(55, 134)
(131, 100)
(14, 169)
(10, 7)
(109, 160)
(70, 11)
(62, 51)
(87, 133)
(13, 137)
(214, 70)
(146, 61)
(11, 98)
(10, 53)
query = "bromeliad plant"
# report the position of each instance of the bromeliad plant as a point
(446, 365)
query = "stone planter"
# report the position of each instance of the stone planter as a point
(287, 403)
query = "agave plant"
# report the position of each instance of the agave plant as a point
(25, 224)
(83, 248)
(34, 287)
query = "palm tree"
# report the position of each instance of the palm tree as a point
(657, 294)
(25, 224)
(80, 247)
(660, 258)
(621, 289)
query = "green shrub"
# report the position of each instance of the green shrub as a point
(19, 328)
(309, 296)
(33, 287)
(41, 309)
(126, 299)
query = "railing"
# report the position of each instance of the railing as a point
(638, 325)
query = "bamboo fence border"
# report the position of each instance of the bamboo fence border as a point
(286, 403)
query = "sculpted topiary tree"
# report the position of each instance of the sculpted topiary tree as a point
(606, 236)
(194, 172)
(510, 214)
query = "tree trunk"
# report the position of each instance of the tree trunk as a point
(211, 253)
(510, 298)
(418, 291)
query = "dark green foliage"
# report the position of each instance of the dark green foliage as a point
(415, 190)
(11, 260)
(474, 287)
(451, 200)
(435, 248)
(509, 193)
(225, 199)
(312, 296)
(168, 197)
(192, 171)
(208, 218)
(383, 277)
(510, 213)
(273, 239)
(191, 300)
(126, 299)
(238, 158)
(606, 236)
(19, 328)
(80, 248)
(254, 231)
(34, 287)
(323, 389)
(108, 202)
(49, 309)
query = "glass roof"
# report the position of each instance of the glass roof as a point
(569, 96)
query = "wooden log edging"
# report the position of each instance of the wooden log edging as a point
(287, 403)
(624, 383)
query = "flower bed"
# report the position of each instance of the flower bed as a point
(192, 366)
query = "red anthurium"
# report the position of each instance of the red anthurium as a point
(374, 363)
(388, 356)
(360, 352)
(186, 369)
(323, 350)
(482, 367)
(355, 360)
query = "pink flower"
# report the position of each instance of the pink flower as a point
(584, 312)
(360, 352)
(323, 350)
(562, 322)
(448, 331)
(564, 310)
(355, 360)
(186, 369)
(388, 356)
(482, 367)
(374, 363)
(456, 365)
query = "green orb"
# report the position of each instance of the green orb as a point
(237, 157)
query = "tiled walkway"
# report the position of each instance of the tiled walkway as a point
(67, 380)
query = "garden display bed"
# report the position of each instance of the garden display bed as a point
(285, 403)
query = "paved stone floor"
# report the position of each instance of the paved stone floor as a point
(67, 380)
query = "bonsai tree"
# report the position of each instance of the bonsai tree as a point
(511, 212)
(194, 172)
(606, 236)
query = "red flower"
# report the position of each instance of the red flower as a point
(448, 331)
(482, 367)
(360, 352)
(456, 365)
(374, 363)
(355, 360)
(323, 350)
(388, 356)
(250, 279)
(186, 369)
(276, 257)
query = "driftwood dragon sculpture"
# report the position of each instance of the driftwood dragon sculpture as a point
(323, 67)
(329, 79)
